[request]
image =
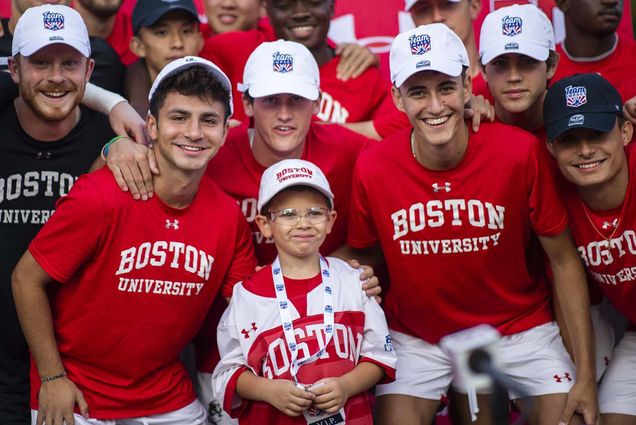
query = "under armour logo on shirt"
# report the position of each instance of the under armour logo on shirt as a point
(607, 224)
(446, 188)
(246, 332)
(174, 224)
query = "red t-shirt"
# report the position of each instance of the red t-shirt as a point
(331, 147)
(395, 121)
(136, 282)
(616, 67)
(355, 100)
(606, 241)
(455, 241)
(121, 36)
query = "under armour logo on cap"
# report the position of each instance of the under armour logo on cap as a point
(53, 21)
(420, 44)
(575, 96)
(511, 25)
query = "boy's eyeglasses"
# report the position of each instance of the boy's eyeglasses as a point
(292, 216)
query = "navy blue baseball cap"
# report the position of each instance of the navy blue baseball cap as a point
(581, 101)
(148, 12)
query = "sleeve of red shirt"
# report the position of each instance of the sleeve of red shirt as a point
(391, 122)
(361, 232)
(73, 233)
(548, 216)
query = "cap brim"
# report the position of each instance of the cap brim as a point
(451, 68)
(31, 47)
(600, 121)
(328, 195)
(535, 51)
(154, 16)
(289, 84)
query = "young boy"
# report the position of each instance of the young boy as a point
(164, 31)
(299, 336)
(587, 134)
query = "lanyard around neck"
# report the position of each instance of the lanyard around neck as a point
(286, 320)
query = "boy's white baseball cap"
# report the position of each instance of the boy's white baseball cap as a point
(410, 3)
(41, 26)
(522, 29)
(292, 172)
(186, 62)
(433, 47)
(281, 67)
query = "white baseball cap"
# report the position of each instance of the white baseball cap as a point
(281, 67)
(522, 29)
(433, 47)
(410, 3)
(41, 26)
(186, 62)
(292, 172)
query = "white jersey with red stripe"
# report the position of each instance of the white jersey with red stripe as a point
(250, 337)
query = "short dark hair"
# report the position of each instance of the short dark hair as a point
(298, 188)
(196, 80)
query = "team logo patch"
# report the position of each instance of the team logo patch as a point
(283, 305)
(511, 25)
(276, 271)
(328, 309)
(420, 44)
(283, 62)
(328, 289)
(287, 326)
(53, 21)
(329, 329)
(575, 96)
(511, 46)
(577, 119)
(325, 273)
(279, 287)
(388, 346)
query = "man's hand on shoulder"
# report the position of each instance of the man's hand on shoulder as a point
(132, 165)
(370, 282)
(354, 60)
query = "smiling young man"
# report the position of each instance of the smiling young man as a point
(359, 98)
(48, 140)
(234, 15)
(437, 203)
(133, 282)
(587, 135)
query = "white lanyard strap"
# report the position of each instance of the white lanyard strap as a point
(286, 320)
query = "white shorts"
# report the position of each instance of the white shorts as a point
(617, 393)
(604, 337)
(536, 360)
(193, 414)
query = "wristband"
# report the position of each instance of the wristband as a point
(104, 152)
(53, 378)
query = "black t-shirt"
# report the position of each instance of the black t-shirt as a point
(33, 175)
(8, 90)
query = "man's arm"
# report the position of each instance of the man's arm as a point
(58, 395)
(571, 290)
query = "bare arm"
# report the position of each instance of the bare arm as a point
(573, 300)
(280, 393)
(57, 397)
(366, 128)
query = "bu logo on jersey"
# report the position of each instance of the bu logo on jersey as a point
(174, 224)
(53, 21)
(575, 96)
(446, 188)
(246, 332)
(511, 25)
(565, 377)
(420, 44)
(283, 62)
